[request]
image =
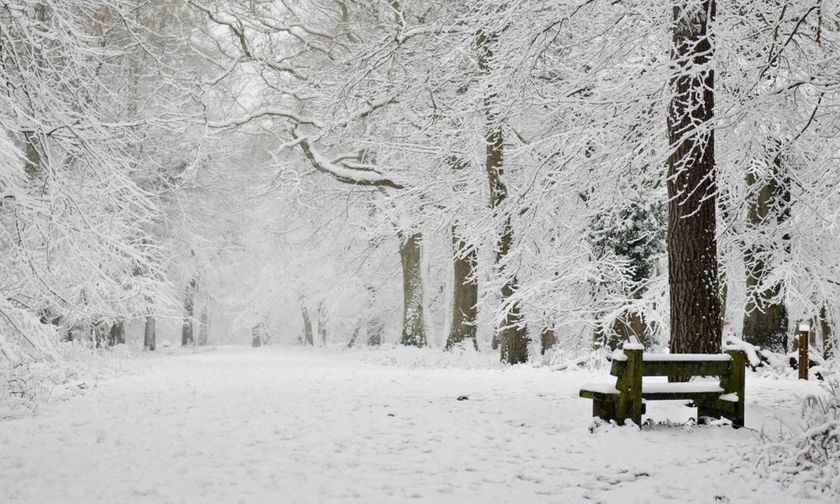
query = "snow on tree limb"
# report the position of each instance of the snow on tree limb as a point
(342, 171)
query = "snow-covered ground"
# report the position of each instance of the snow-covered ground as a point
(279, 425)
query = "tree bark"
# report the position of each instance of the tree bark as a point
(187, 337)
(256, 336)
(413, 329)
(321, 318)
(692, 247)
(766, 318)
(374, 331)
(204, 327)
(548, 338)
(464, 295)
(149, 334)
(101, 334)
(828, 340)
(511, 335)
(117, 334)
(628, 327)
(33, 147)
(356, 330)
(308, 339)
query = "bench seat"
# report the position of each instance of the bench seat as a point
(658, 391)
(626, 398)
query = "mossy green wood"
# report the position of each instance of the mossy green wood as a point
(634, 377)
(735, 382)
(598, 396)
(677, 368)
(626, 401)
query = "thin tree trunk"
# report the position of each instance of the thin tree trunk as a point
(187, 337)
(204, 327)
(117, 334)
(766, 318)
(101, 334)
(511, 335)
(33, 156)
(321, 317)
(34, 161)
(692, 247)
(828, 341)
(308, 339)
(374, 326)
(256, 336)
(628, 327)
(413, 329)
(356, 330)
(374, 331)
(548, 338)
(149, 336)
(465, 293)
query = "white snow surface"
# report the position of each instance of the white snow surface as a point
(681, 388)
(276, 425)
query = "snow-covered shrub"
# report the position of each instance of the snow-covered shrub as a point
(30, 363)
(808, 457)
(24, 338)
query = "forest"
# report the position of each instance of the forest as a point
(508, 192)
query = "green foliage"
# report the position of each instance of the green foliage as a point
(635, 233)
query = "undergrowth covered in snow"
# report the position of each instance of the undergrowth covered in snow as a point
(35, 367)
(807, 457)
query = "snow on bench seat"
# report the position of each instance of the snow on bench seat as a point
(682, 388)
(601, 388)
(599, 391)
(674, 391)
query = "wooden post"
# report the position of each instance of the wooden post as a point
(629, 404)
(804, 332)
(735, 383)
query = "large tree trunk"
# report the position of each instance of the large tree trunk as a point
(149, 334)
(308, 339)
(187, 337)
(464, 295)
(511, 335)
(321, 318)
(692, 247)
(413, 329)
(766, 318)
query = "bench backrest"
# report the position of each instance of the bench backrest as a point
(677, 365)
(680, 365)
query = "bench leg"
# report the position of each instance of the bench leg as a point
(738, 417)
(735, 413)
(605, 410)
(707, 411)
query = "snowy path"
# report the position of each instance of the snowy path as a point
(279, 425)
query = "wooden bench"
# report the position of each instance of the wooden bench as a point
(714, 399)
